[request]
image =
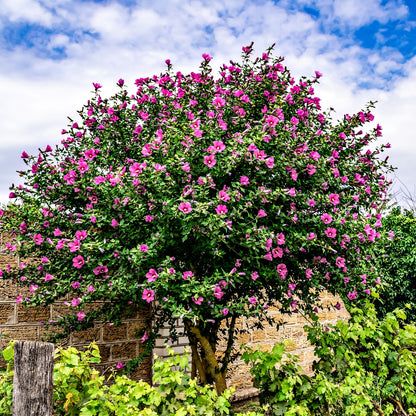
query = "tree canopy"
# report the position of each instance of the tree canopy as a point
(210, 198)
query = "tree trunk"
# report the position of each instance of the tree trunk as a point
(33, 379)
(208, 363)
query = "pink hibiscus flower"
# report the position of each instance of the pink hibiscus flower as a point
(185, 207)
(78, 261)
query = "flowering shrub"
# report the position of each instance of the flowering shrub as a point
(214, 197)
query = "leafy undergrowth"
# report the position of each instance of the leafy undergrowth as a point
(365, 367)
(79, 389)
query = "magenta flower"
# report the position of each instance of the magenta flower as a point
(148, 295)
(244, 180)
(331, 232)
(326, 218)
(280, 239)
(198, 300)
(76, 285)
(152, 275)
(271, 120)
(270, 162)
(221, 209)
(187, 275)
(78, 261)
(311, 202)
(185, 207)
(252, 300)
(144, 338)
(114, 222)
(135, 169)
(334, 199)
(261, 213)
(277, 252)
(37, 238)
(311, 169)
(210, 160)
(81, 316)
(315, 155)
(308, 273)
(82, 166)
(99, 179)
(223, 196)
(144, 248)
(148, 218)
(291, 192)
(206, 57)
(186, 167)
(57, 232)
(74, 246)
(340, 262)
(218, 101)
(75, 302)
(282, 270)
(254, 276)
(218, 293)
(225, 311)
(48, 277)
(120, 365)
(218, 146)
(352, 295)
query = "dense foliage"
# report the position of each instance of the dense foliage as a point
(79, 390)
(397, 261)
(364, 367)
(213, 197)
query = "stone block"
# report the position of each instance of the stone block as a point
(241, 383)
(243, 338)
(7, 313)
(133, 327)
(87, 335)
(126, 350)
(20, 333)
(258, 336)
(61, 310)
(33, 314)
(104, 352)
(114, 333)
(273, 334)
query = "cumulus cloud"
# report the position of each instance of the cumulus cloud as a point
(49, 76)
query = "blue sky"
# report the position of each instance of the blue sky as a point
(52, 50)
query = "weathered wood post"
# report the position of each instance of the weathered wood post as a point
(33, 379)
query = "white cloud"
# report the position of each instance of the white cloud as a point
(129, 42)
(357, 13)
(26, 10)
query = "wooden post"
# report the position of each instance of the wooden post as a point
(33, 379)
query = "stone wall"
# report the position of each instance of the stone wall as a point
(116, 343)
(292, 330)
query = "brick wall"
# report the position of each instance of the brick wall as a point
(119, 344)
